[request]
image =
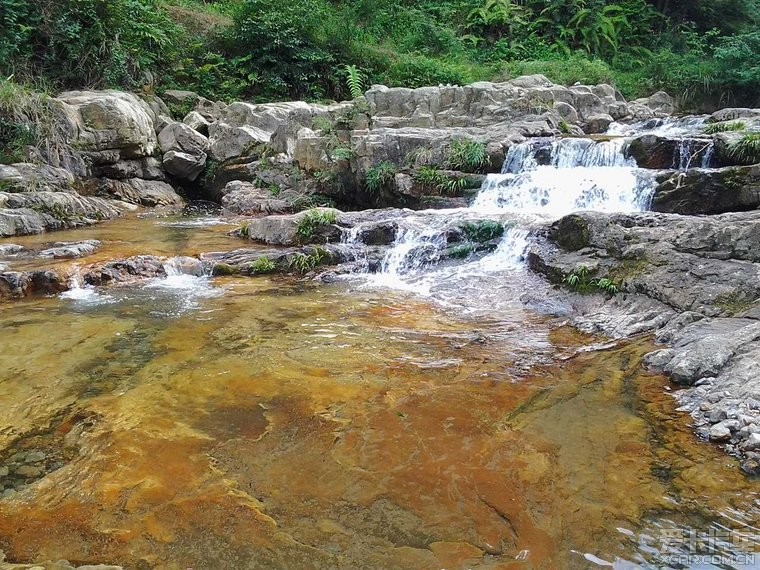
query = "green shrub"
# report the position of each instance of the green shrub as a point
(341, 153)
(380, 177)
(435, 180)
(467, 155)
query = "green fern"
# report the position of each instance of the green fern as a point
(354, 80)
(262, 265)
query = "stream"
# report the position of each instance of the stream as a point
(418, 417)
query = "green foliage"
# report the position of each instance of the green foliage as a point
(323, 125)
(354, 81)
(262, 266)
(341, 153)
(467, 155)
(725, 127)
(92, 43)
(303, 263)
(482, 231)
(312, 221)
(313, 201)
(434, 180)
(263, 50)
(580, 281)
(461, 251)
(244, 231)
(746, 150)
(380, 177)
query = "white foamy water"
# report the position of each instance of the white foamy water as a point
(542, 179)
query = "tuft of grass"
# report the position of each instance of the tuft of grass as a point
(746, 150)
(262, 266)
(303, 263)
(435, 180)
(379, 177)
(482, 231)
(323, 125)
(312, 221)
(467, 155)
(341, 153)
(725, 127)
(244, 231)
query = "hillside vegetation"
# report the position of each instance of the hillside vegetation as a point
(706, 52)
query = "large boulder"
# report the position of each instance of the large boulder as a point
(284, 229)
(246, 199)
(137, 191)
(25, 177)
(714, 191)
(109, 120)
(184, 151)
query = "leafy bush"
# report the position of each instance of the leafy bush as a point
(435, 180)
(467, 155)
(379, 177)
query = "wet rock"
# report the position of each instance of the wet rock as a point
(697, 191)
(8, 249)
(19, 284)
(131, 269)
(71, 250)
(283, 229)
(598, 123)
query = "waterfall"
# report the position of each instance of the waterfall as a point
(541, 179)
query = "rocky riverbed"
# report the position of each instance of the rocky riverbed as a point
(616, 217)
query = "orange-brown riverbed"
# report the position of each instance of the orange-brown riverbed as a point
(283, 425)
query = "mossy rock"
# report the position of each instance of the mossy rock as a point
(572, 232)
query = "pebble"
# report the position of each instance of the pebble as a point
(720, 432)
(29, 471)
(717, 415)
(752, 442)
(35, 457)
(4, 471)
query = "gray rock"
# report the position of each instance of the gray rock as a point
(197, 122)
(23, 177)
(246, 199)
(752, 442)
(598, 123)
(698, 191)
(36, 212)
(147, 168)
(180, 137)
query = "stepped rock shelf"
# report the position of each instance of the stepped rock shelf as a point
(460, 196)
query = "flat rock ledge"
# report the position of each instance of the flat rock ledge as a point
(690, 281)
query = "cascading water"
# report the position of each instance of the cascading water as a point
(542, 179)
